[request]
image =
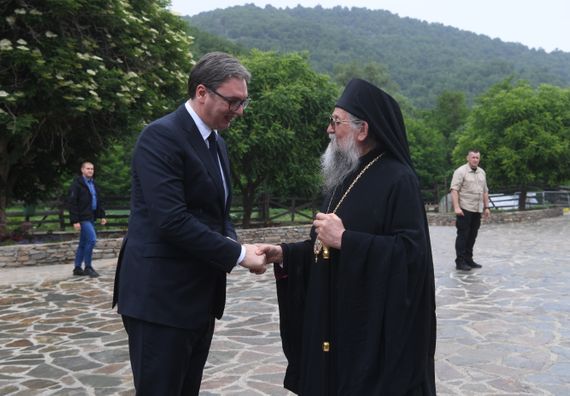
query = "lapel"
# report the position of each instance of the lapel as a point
(199, 146)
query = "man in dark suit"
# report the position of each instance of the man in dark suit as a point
(170, 282)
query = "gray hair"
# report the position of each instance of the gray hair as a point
(213, 69)
(355, 122)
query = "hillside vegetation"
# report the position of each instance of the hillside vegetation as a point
(423, 59)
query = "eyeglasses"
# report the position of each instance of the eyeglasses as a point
(334, 122)
(233, 104)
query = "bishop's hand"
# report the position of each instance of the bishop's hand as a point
(329, 229)
(273, 253)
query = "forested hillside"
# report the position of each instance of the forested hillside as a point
(424, 59)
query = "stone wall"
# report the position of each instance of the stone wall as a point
(64, 252)
(54, 253)
(448, 219)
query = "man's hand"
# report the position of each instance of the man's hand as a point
(254, 262)
(77, 226)
(273, 253)
(103, 221)
(329, 228)
(486, 213)
(455, 202)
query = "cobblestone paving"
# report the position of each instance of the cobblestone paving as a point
(502, 330)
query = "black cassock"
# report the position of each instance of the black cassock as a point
(373, 301)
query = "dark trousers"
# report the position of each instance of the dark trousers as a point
(167, 360)
(467, 229)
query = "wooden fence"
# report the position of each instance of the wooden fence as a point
(52, 217)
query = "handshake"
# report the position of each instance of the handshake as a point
(259, 255)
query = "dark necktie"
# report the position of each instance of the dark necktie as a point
(214, 153)
(213, 148)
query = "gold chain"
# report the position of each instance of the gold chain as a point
(320, 247)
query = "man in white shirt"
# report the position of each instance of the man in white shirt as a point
(470, 197)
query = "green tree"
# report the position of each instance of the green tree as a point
(448, 117)
(75, 74)
(523, 134)
(276, 147)
(204, 42)
(113, 170)
(428, 152)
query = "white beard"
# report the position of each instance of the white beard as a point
(338, 162)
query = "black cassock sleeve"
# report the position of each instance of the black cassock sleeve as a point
(291, 299)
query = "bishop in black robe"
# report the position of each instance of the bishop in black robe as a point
(362, 321)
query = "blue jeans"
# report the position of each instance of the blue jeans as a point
(87, 239)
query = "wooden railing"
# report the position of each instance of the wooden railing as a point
(268, 210)
(52, 217)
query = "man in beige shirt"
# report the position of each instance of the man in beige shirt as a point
(470, 197)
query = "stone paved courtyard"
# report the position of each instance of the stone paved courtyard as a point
(502, 330)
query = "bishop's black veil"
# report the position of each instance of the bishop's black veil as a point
(382, 113)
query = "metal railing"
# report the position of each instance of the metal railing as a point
(510, 200)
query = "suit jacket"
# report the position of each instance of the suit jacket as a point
(173, 262)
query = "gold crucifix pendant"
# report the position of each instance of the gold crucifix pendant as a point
(319, 248)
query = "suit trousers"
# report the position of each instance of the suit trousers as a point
(467, 229)
(167, 360)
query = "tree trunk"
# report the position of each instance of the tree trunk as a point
(522, 199)
(3, 219)
(248, 195)
(4, 171)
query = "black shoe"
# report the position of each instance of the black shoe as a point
(473, 264)
(462, 266)
(89, 271)
(78, 271)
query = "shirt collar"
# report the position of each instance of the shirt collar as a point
(202, 127)
(87, 180)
